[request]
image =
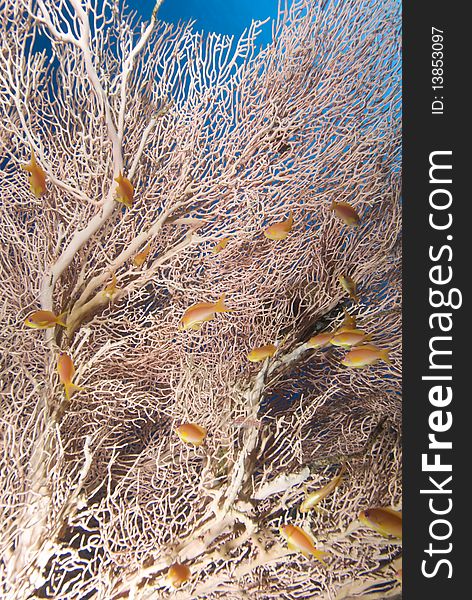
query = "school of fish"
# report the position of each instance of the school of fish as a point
(347, 336)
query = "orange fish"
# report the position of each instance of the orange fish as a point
(191, 433)
(197, 314)
(316, 497)
(350, 337)
(346, 213)
(178, 574)
(299, 540)
(140, 258)
(349, 322)
(37, 177)
(350, 286)
(321, 340)
(66, 370)
(220, 245)
(44, 319)
(110, 289)
(362, 356)
(261, 353)
(385, 521)
(124, 190)
(279, 231)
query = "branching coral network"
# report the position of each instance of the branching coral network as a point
(201, 304)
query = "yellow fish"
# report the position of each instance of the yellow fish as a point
(346, 213)
(66, 370)
(140, 258)
(261, 353)
(350, 286)
(316, 497)
(178, 574)
(350, 337)
(362, 356)
(197, 314)
(220, 245)
(279, 231)
(110, 289)
(37, 177)
(124, 190)
(191, 433)
(385, 521)
(44, 319)
(321, 340)
(299, 540)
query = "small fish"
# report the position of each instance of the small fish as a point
(349, 322)
(110, 289)
(124, 190)
(261, 353)
(350, 337)
(66, 370)
(178, 574)
(316, 497)
(321, 340)
(191, 433)
(299, 540)
(37, 177)
(346, 213)
(199, 313)
(350, 286)
(385, 521)
(140, 258)
(44, 319)
(279, 231)
(220, 246)
(362, 356)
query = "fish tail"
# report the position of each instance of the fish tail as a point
(60, 319)
(386, 357)
(220, 306)
(355, 297)
(70, 388)
(320, 555)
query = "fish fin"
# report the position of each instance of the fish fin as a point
(70, 388)
(290, 219)
(220, 305)
(386, 357)
(333, 205)
(60, 319)
(355, 297)
(367, 337)
(196, 326)
(320, 555)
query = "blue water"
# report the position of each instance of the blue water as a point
(221, 16)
